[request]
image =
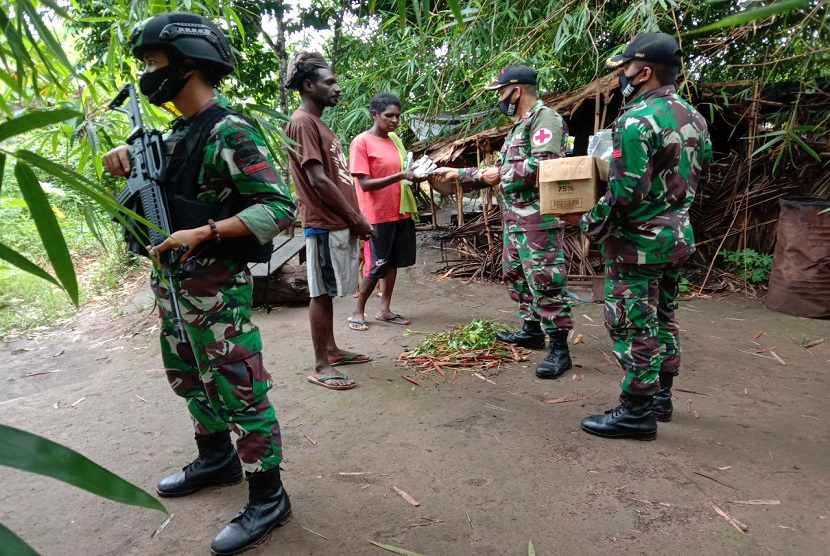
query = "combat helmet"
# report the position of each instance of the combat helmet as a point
(184, 35)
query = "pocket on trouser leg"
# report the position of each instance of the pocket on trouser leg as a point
(240, 385)
(237, 372)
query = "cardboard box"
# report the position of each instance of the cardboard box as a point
(571, 184)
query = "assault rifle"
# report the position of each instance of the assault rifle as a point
(146, 150)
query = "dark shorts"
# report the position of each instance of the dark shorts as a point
(392, 246)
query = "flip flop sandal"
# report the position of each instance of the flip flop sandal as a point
(352, 359)
(359, 325)
(395, 319)
(323, 381)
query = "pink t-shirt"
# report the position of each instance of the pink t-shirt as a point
(377, 157)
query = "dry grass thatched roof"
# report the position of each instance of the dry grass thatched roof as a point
(447, 149)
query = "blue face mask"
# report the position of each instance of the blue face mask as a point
(627, 88)
(508, 108)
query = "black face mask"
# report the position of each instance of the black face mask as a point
(508, 108)
(627, 88)
(162, 85)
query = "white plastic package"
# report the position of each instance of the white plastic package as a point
(601, 145)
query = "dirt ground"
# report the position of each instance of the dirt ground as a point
(492, 465)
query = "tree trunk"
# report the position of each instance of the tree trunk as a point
(283, 62)
(279, 48)
(338, 26)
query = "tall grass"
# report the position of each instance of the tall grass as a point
(27, 302)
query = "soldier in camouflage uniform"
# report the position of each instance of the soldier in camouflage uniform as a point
(533, 261)
(226, 202)
(661, 157)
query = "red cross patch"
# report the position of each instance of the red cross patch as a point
(542, 136)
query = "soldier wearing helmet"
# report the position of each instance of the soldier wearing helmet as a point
(661, 157)
(226, 203)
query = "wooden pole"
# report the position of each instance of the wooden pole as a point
(584, 267)
(432, 207)
(485, 195)
(606, 100)
(459, 203)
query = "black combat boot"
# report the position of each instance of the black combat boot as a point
(529, 336)
(217, 465)
(268, 507)
(558, 359)
(632, 419)
(662, 400)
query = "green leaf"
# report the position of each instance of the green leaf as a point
(85, 186)
(806, 147)
(2, 169)
(11, 256)
(12, 544)
(34, 120)
(46, 35)
(743, 18)
(767, 145)
(75, 180)
(18, 48)
(270, 112)
(91, 216)
(56, 8)
(402, 13)
(531, 550)
(395, 549)
(35, 454)
(48, 228)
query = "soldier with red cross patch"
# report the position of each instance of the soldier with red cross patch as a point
(533, 261)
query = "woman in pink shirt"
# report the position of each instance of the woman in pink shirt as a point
(376, 160)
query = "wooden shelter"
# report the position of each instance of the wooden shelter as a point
(737, 209)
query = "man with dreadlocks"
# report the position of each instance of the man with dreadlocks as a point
(328, 207)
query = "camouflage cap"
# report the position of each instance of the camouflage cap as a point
(513, 75)
(659, 48)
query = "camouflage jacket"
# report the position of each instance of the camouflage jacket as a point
(236, 157)
(538, 135)
(661, 156)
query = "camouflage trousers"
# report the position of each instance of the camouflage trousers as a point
(640, 301)
(219, 372)
(536, 277)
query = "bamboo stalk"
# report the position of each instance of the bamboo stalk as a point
(432, 207)
(459, 203)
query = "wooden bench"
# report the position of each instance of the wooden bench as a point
(285, 248)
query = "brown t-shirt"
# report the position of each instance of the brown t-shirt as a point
(317, 142)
